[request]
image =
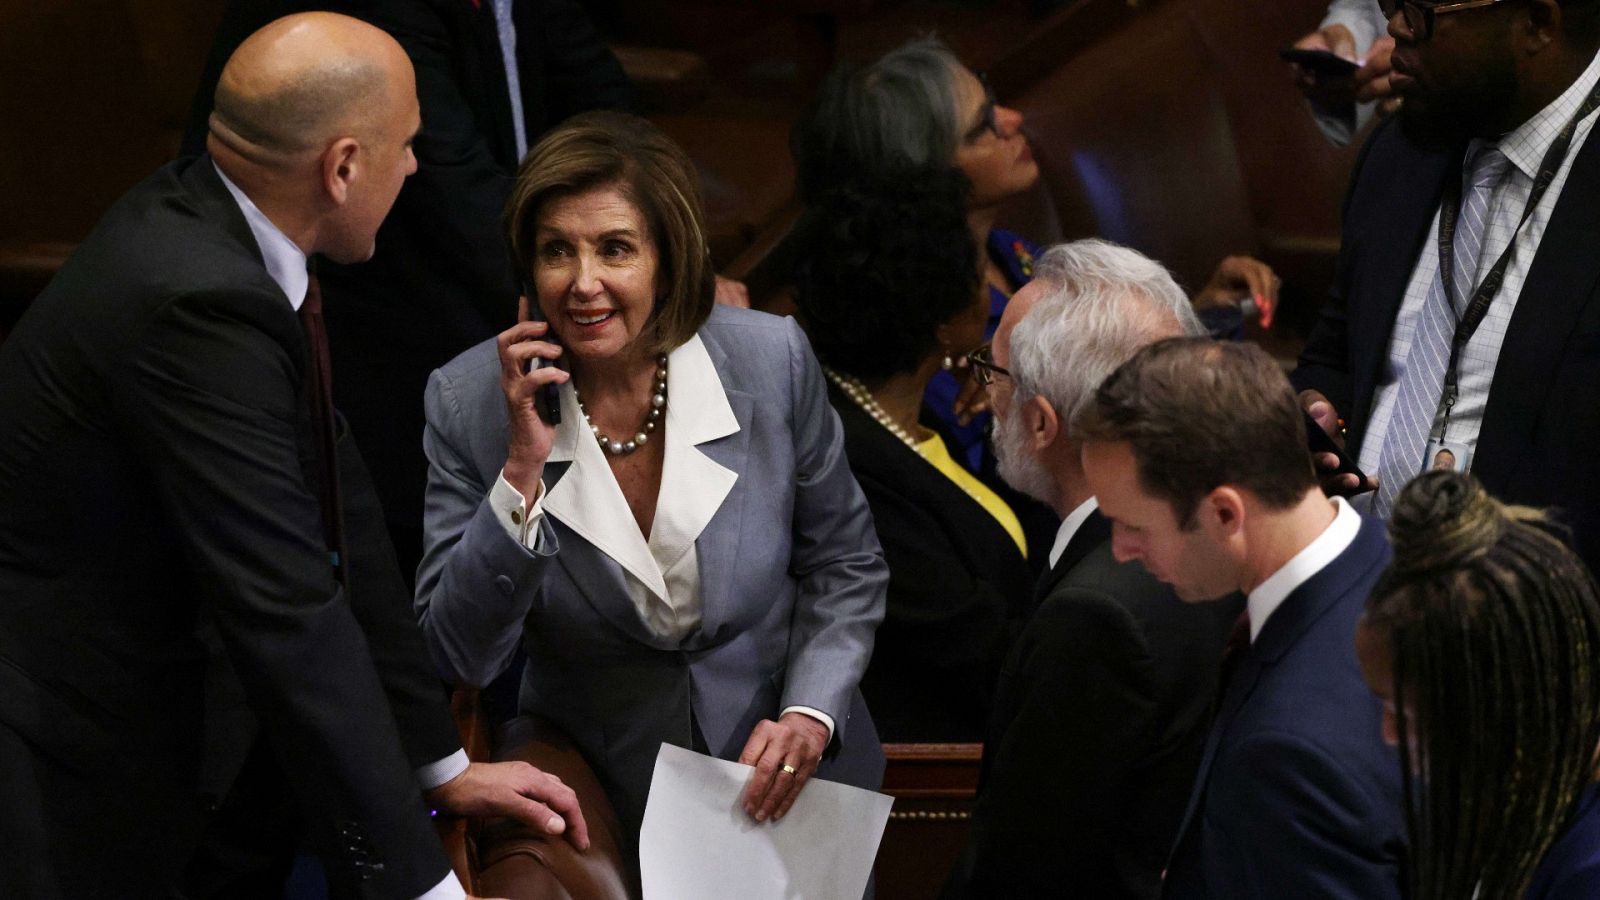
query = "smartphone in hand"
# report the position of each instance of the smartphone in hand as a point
(1320, 63)
(1320, 442)
(549, 400)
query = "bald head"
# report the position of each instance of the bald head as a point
(314, 121)
(303, 81)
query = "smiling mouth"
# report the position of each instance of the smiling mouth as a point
(593, 318)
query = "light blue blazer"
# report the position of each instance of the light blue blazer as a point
(792, 579)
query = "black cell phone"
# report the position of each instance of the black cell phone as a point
(549, 400)
(1320, 442)
(1320, 63)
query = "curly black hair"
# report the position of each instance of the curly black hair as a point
(884, 261)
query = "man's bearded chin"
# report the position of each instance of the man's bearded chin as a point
(1439, 120)
(1020, 469)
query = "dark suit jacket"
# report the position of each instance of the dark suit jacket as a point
(1298, 795)
(1098, 726)
(442, 279)
(1537, 445)
(958, 591)
(1571, 869)
(159, 471)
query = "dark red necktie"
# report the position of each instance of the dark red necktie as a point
(1234, 650)
(324, 427)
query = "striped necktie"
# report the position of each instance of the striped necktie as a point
(1422, 381)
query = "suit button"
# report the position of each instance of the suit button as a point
(505, 584)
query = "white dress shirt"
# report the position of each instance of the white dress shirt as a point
(1069, 527)
(285, 261)
(662, 572)
(1525, 147)
(1334, 540)
(286, 264)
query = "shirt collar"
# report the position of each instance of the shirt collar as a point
(1316, 556)
(1526, 145)
(285, 261)
(697, 405)
(1069, 528)
(693, 485)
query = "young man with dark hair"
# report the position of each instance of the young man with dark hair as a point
(1196, 452)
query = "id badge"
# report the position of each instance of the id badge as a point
(1447, 455)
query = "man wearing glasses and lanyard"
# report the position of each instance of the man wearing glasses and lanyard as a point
(1465, 315)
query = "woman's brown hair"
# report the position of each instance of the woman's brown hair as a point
(612, 149)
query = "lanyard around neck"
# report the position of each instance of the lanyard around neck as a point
(1468, 323)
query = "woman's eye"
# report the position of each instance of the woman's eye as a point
(616, 249)
(555, 250)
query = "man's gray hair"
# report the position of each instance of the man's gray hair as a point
(1102, 302)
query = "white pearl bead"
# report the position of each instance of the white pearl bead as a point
(615, 447)
(640, 438)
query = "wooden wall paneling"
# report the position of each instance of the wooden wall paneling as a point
(934, 786)
(1136, 146)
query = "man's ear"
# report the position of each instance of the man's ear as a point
(1043, 423)
(341, 166)
(1544, 24)
(1223, 511)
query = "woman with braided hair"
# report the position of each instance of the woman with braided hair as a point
(1483, 639)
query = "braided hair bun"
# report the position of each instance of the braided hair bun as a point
(1443, 520)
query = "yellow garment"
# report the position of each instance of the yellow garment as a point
(934, 451)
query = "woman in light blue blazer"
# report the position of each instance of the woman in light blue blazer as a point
(685, 556)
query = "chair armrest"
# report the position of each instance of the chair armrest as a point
(458, 834)
(518, 862)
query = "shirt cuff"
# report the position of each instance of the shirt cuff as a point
(514, 513)
(817, 714)
(434, 774)
(448, 889)
(1339, 126)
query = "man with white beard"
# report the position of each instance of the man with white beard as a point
(1102, 708)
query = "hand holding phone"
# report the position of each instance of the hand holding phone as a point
(1345, 478)
(548, 402)
(1320, 63)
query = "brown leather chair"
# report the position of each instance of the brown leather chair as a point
(504, 858)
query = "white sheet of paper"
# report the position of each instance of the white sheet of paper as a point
(697, 843)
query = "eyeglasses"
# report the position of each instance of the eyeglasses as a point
(983, 367)
(1419, 14)
(986, 120)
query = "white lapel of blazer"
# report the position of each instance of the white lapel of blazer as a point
(588, 499)
(693, 485)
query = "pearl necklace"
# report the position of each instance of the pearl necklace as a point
(658, 405)
(858, 394)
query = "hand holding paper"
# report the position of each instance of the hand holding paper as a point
(697, 842)
(784, 754)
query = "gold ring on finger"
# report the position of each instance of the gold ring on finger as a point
(788, 769)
